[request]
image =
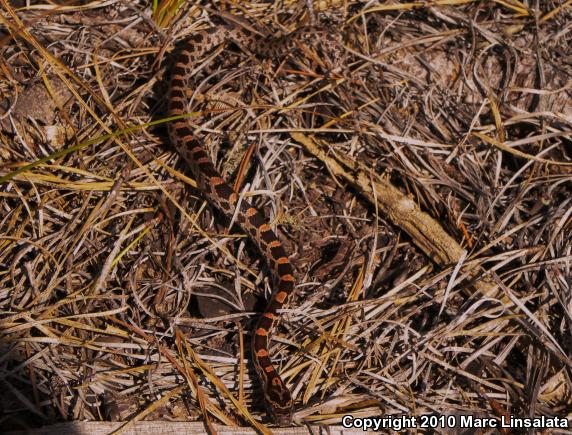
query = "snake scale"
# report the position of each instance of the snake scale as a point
(217, 191)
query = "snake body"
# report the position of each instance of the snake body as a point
(217, 191)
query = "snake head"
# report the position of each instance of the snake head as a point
(325, 46)
(279, 401)
(281, 417)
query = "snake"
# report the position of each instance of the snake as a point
(277, 396)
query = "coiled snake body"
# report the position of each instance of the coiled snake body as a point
(277, 395)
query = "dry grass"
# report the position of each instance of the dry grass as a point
(424, 194)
